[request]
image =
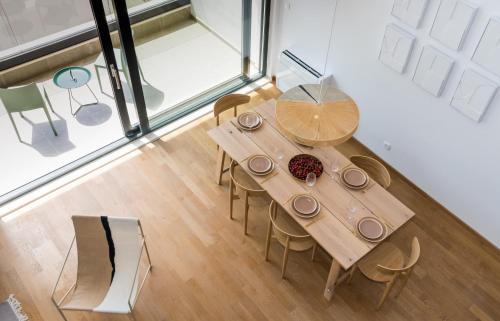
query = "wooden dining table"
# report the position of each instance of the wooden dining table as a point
(333, 228)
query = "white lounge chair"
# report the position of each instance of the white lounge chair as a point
(109, 251)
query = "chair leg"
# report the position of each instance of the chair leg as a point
(388, 288)
(285, 258)
(221, 155)
(145, 245)
(231, 198)
(47, 99)
(246, 212)
(98, 78)
(59, 310)
(15, 127)
(50, 120)
(315, 248)
(268, 239)
(351, 273)
(403, 285)
(142, 76)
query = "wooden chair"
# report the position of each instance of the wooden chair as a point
(25, 98)
(107, 278)
(289, 234)
(373, 168)
(224, 103)
(386, 264)
(240, 181)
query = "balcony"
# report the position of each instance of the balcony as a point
(179, 58)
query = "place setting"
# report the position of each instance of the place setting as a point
(305, 206)
(371, 229)
(354, 178)
(261, 166)
(249, 121)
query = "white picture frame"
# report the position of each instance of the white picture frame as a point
(396, 48)
(432, 71)
(452, 22)
(409, 12)
(473, 94)
(487, 52)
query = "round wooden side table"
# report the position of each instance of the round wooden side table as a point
(311, 121)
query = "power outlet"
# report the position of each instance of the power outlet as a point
(387, 145)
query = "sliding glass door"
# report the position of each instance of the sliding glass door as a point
(108, 71)
(175, 61)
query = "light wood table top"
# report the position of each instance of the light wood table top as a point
(331, 228)
(302, 116)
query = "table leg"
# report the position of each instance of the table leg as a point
(70, 103)
(332, 279)
(80, 105)
(219, 169)
(95, 97)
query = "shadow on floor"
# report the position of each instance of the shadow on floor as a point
(152, 96)
(45, 142)
(93, 115)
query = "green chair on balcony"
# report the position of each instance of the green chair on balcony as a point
(25, 98)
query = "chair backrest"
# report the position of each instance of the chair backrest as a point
(281, 232)
(229, 101)
(413, 259)
(108, 256)
(373, 168)
(22, 98)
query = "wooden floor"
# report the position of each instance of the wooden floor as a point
(205, 269)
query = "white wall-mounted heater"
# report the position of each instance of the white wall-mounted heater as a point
(293, 71)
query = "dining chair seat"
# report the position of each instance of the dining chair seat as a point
(289, 234)
(289, 226)
(386, 254)
(244, 180)
(241, 185)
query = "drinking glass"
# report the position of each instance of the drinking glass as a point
(279, 153)
(352, 207)
(246, 121)
(311, 179)
(335, 167)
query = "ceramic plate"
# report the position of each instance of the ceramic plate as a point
(249, 120)
(260, 164)
(354, 177)
(305, 204)
(371, 228)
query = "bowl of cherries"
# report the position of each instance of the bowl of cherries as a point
(303, 164)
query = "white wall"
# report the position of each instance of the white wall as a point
(452, 158)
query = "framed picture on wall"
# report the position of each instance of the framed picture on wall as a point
(432, 70)
(487, 53)
(410, 12)
(396, 48)
(473, 94)
(452, 22)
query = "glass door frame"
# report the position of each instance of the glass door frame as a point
(104, 35)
